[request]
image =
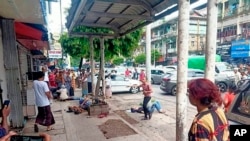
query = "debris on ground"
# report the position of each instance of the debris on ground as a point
(115, 128)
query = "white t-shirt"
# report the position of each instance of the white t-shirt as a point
(63, 94)
(46, 76)
(40, 88)
(89, 76)
(108, 82)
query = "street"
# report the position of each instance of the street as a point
(161, 126)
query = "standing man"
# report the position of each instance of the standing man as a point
(142, 75)
(46, 74)
(147, 92)
(241, 68)
(237, 76)
(127, 73)
(88, 75)
(135, 74)
(42, 96)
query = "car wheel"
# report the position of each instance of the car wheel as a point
(174, 90)
(152, 81)
(222, 86)
(134, 89)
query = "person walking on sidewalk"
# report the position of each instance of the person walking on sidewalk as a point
(42, 96)
(89, 80)
(147, 92)
(210, 123)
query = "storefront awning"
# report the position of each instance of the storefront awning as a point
(26, 32)
(31, 36)
(33, 44)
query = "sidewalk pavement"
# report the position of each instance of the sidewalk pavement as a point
(71, 127)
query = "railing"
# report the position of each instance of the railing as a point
(234, 12)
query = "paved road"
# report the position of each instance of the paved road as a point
(161, 126)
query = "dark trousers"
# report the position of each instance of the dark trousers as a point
(89, 87)
(87, 109)
(144, 105)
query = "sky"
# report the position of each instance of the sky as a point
(54, 21)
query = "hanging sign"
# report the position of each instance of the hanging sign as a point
(55, 53)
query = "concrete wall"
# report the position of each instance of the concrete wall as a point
(2, 69)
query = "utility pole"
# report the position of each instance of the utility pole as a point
(148, 53)
(181, 98)
(61, 16)
(211, 39)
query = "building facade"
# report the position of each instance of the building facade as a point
(23, 40)
(233, 25)
(164, 36)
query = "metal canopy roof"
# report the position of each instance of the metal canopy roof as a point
(120, 16)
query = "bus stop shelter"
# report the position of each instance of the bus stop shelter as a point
(123, 16)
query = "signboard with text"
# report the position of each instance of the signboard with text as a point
(55, 53)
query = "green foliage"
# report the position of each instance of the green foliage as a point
(118, 60)
(155, 55)
(140, 59)
(75, 61)
(80, 46)
(74, 46)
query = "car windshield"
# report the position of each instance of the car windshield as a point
(169, 74)
(223, 66)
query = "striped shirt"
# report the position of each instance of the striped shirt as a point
(209, 125)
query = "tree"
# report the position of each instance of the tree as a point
(155, 55)
(74, 46)
(118, 60)
(140, 59)
(79, 46)
(74, 61)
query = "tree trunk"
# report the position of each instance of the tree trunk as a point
(92, 62)
(183, 41)
(211, 39)
(101, 71)
(80, 65)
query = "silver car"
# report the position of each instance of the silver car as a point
(169, 81)
(156, 75)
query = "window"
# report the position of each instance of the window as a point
(199, 74)
(160, 72)
(119, 78)
(192, 43)
(190, 74)
(153, 72)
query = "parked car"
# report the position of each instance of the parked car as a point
(156, 75)
(171, 67)
(120, 83)
(169, 81)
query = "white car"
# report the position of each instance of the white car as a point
(121, 84)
